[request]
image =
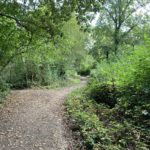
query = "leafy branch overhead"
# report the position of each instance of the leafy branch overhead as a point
(24, 21)
(43, 15)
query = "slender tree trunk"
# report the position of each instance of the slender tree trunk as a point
(116, 45)
(107, 55)
(133, 46)
(116, 40)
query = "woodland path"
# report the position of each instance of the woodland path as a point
(33, 120)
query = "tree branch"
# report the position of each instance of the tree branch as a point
(18, 22)
(127, 32)
(16, 54)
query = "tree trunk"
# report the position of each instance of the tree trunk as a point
(116, 40)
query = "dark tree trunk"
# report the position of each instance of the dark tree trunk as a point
(107, 55)
(116, 40)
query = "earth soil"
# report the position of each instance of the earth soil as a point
(34, 120)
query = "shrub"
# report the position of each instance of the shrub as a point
(125, 82)
(4, 88)
(102, 128)
(103, 93)
(83, 112)
(124, 85)
(86, 65)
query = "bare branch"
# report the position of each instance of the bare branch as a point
(127, 32)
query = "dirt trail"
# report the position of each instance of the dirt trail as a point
(33, 120)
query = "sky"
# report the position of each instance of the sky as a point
(140, 12)
(144, 10)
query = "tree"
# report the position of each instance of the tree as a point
(119, 18)
(21, 22)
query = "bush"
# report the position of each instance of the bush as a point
(27, 74)
(124, 85)
(4, 88)
(99, 128)
(126, 82)
(86, 65)
(83, 113)
(103, 93)
(128, 69)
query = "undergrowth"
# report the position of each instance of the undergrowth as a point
(113, 111)
(4, 89)
(100, 128)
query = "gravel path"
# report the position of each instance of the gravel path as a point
(33, 120)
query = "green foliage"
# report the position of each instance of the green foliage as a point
(45, 63)
(101, 127)
(87, 63)
(119, 24)
(82, 112)
(129, 76)
(22, 24)
(129, 68)
(115, 103)
(4, 88)
(103, 93)
(42, 45)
